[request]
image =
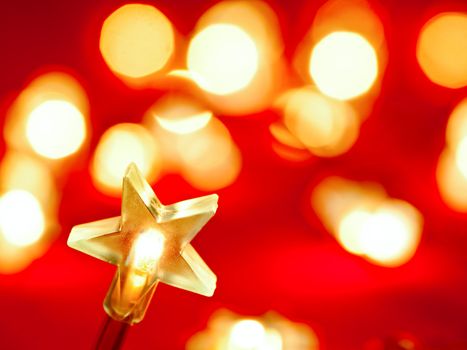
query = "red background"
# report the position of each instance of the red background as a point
(266, 246)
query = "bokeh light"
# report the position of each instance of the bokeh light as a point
(390, 236)
(246, 334)
(451, 172)
(452, 184)
(456, 129)
(24, 172)
(355, 16)
(209, 159)
(222, 58)
(228, 331)
(366, 222)
(179, 114)
(327, 127)
(442, 49)
(49, 117)
(260, 23)
(117, 148)
(56, 129)
(343, 65)
(137, 40)
(193, 142)
(22, 221)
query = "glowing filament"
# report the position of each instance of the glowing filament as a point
(148, 248)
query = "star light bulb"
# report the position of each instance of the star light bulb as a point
(150, 243)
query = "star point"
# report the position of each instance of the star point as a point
(149, 243)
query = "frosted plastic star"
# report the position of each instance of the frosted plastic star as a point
(149, 242)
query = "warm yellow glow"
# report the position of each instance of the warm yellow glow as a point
(246, 334)
(56, 129)
(252, 335)
(24, 172)
(461, 157)
(222, 58)
(22, 221)
(366, 222)
(179, 114)
(327, 127)
(209, 158)
(456, 129)
(148, 248)
(442, 49)
(118, 147)
(49, 116)
(391, 235)
(452, 183)
(350, 228)
(343, 65)
(137, 40)
(349, 15)
(185, 125)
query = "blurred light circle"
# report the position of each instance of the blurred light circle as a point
(461, 157)
(327, 127)
(223, 59)
(456, 129)
(452, 184)
(209, 159)
(343, 65)
(391, 234)
(118, 147)
(55, 129)
(247, 334)
(22, 221)
(185, 125)
(350, 228)
(442, 49)
(136, 40)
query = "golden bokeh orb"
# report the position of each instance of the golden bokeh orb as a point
(344, 65)
(442, 49)
(222, 59)
(137, 40)
(55, 129)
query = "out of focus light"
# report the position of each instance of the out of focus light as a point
(209, 158)
(49, 117)
(56, 129)
(456, 129)
(391, 234)
(24, 172)
(179, 114)
(137, 40)
(222, 58)
(452, 183)
(350, 228)
(187, 125)
(442, 49)
(343, 65)
(22, 221)
(228, 331)
(461, 157)
(451, 173)
(246, 334)
(327, 127)
(118, 147)
(349, 15)
(368, 223)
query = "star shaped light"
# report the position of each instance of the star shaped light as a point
(149, 242)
